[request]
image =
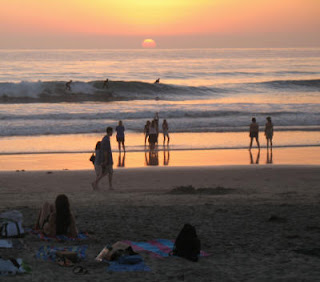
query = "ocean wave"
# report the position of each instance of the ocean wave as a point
(56, 91)
(312, 84)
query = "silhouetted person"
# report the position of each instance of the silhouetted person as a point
(268, 132)
(106, 83)
(146, 131)
(120, 136)
(165, 130)
(157, 81)
(254, 133)
(68, 85)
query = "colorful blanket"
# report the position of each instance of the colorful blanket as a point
(48, 253)
(158, 248)
(42, 236)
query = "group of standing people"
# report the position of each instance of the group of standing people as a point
(151, 131)
(254, 132)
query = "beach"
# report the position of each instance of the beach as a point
(254, 221)
(256, 212)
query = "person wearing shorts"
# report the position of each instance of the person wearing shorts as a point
(105, 160)
(120, 136)
(254, 133)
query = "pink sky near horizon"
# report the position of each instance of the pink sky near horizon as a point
(171, 23)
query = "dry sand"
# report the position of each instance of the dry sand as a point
(252, 225)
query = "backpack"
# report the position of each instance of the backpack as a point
(187, 244)
(11, 224)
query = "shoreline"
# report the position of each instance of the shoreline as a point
(165, 158)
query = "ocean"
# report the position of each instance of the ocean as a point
(209, 91)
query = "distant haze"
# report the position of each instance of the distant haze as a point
(171, 23)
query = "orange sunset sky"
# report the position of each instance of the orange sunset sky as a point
(171, 23)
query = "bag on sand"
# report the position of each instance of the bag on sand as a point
(187, 244)
(11, 224)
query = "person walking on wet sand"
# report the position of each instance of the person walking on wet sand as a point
(268, 132)
(105, 160)
(68, 85)
(254, 133)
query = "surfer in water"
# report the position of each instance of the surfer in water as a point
(157, 81)
(68, 85)
(106, 83)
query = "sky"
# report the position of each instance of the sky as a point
(171, 23)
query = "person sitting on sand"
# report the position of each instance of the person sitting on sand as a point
(254, 133)
(157, 81)
(268, 132)
(68, 85)
(57, 219)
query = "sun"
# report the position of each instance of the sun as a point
(149, 43)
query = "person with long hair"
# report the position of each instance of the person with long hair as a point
(57, 219)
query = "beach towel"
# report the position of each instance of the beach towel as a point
(127, 264)
(158, 248)
(42, 236)
(13, 267)
(48, 253)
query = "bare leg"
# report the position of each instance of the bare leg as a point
(258, 143)
(250, 146)
(124, 149)
(119, 146)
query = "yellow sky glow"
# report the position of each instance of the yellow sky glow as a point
(151, 18)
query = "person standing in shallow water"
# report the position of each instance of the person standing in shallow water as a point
(254, 133)
(165, 131)
(120, 136)
(268, 132)
(105, 160)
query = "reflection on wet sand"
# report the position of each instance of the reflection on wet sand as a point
(152, 157)
(166, 155)
(121, 160)
(269, 157)
(257, 158)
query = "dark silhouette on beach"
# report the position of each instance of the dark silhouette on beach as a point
(157, 81)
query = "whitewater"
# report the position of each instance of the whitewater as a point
(200, 90)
